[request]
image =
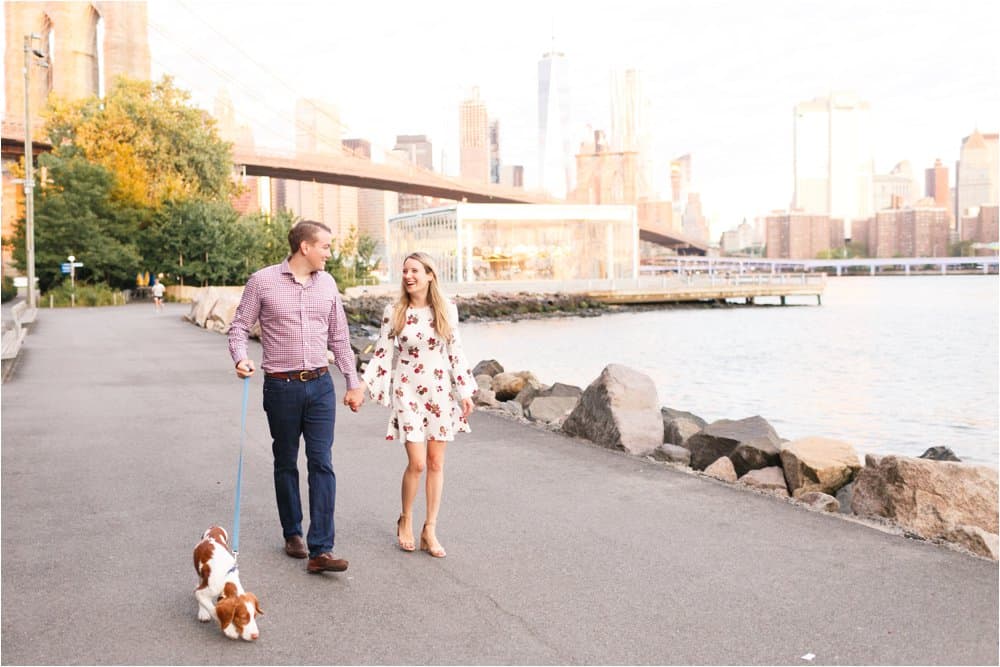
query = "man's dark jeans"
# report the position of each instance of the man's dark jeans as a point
(305, 409)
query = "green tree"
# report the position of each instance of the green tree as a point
(366, 259)
(857, 249)
(197, 242)
(75, 215)
(848, 251)
(960, 249)
(158, 146)
(270, 238)
(351, 263)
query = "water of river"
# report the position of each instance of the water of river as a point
(892, 365)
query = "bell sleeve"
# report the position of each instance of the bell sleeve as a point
(378, 373)
(461, 373)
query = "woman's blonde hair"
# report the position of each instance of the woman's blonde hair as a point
(435, 299)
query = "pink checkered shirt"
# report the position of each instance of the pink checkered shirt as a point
(298, 323)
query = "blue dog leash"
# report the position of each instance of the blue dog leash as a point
(239, 471)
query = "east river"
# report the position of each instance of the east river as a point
(892, 365)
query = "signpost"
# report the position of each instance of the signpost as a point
(70, 268)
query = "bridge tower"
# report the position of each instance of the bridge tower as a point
(88, 44)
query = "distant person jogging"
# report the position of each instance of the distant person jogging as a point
(158, 290)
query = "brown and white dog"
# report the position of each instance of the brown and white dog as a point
(220, 594)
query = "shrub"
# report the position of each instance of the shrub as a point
(7, 289)
(86, 295)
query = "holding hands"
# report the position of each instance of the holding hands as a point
(354, 398)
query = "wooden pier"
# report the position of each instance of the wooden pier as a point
(713, 288)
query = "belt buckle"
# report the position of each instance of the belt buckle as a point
(303, 376)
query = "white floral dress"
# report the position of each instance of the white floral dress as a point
(421, 377)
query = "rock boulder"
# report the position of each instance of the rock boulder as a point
(489, 367)
(673, 454)
(551, 409)
(722, 437)
(619, 410)
(220, 317)
(770, 479)
(679, 425)
(563, 390)
(509, 385)
(755, 454)
(939, 454)
(201, 305)
(818, 464)
(722, 468)
(976, 540)
(820, 501)
(930, 498)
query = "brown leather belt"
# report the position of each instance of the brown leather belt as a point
(301, 376)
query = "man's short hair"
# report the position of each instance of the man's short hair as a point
(305, 230)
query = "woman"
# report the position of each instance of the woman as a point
(420, 371)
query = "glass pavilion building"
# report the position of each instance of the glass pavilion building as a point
(519, 242)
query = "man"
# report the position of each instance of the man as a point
(301, 317)
(158, 290)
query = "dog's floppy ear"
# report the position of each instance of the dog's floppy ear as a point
(256, 604)
(225, 609)
(229, 590)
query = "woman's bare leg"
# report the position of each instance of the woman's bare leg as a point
(416, 453)
(435, 489)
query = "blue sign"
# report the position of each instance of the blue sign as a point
(65, 267)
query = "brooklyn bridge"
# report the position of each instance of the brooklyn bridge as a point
(351, 170)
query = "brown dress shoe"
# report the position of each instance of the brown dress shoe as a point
(295, 547)
(326, 563)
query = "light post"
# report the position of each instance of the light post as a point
(72, 272)
(29, 176)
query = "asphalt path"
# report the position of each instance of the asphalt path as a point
(120, 438)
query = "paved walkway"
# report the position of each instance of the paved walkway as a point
(120, 440)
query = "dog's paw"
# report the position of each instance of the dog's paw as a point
(203, 615)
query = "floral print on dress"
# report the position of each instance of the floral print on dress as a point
(397, 377)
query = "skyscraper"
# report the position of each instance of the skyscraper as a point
(418, 148)
(317, 127)
(936, 184)
(555, 153)
(255, 190)
(473, 139)
(318, 136)
(976, 179)
(630, 123)
(414, 148)
(494, 151)
(374, 206)
(361, 148)
(895, 189)
(680, 179)
(833, 166)
(512, 175)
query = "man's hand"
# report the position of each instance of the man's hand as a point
(354, 398)
(244, 369)
(467, 407)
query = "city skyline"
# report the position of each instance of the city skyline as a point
(723, 80)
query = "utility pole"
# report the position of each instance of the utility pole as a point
(29, 176)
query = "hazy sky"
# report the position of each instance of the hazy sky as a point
(722, 77)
